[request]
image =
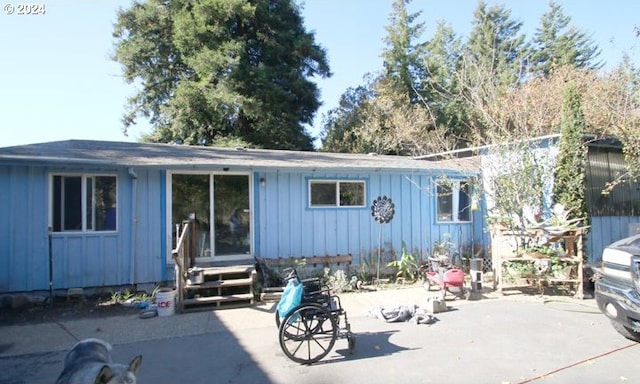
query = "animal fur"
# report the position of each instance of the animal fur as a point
(89, 362)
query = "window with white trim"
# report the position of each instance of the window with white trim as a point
(336, 193)
(453, 201)
(84, 203)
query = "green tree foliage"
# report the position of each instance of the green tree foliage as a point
(395, 112)
(401, 56)
(495, 47)
(376, 118)
(339, 132)
(491, 87)
(557, 44)
(518, 178)
(211, 69)
(441, 60)
(400, 111)
(618, 110)
(569, 186)
(492, 65)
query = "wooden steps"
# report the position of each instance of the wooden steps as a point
(271, 295)
(221, 284)
(223, 287)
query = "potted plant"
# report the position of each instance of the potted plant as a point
(559, 223)
(538, 252)
(562, 269)
(514, 270)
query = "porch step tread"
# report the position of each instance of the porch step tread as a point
(270, 297)
(209, 271)
(218, 306)
(221, 284)
(272, 289)
(218, 299)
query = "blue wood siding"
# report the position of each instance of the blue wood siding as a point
(137, 252)
(23, 233)
(131, 255)
(288, 227)
(148, 233)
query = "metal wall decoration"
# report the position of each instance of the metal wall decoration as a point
(383, 209)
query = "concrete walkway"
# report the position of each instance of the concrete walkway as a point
(505, 339)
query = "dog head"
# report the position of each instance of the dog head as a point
(89, 361)
(119, 373)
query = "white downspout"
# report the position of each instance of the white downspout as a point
(134, 224)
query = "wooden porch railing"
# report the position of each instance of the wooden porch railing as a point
(182, 258)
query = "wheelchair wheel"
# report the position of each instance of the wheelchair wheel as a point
(292, 335)
(308, 333)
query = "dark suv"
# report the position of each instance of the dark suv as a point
(618, 286)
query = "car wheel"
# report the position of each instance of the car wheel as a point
(626, 331)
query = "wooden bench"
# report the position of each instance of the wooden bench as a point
(314, 261)
(273, 294)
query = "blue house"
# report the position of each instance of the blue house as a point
(97, 214)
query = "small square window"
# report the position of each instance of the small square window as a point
(453, 201)
(324, 193)
(351, 194)
(84, 203)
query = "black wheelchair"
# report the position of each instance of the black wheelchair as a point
(309, 331)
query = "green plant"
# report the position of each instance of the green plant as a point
(515, 269)
(406, 266)
(545, 250)
(443, 246)
(115, 297)
(337, 281)
(364, 274)
(569, 186)
(560, 266)
(155, 291)
(126, 294)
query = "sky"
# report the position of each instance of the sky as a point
(57, 81)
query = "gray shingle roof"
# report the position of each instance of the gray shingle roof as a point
(184, 156)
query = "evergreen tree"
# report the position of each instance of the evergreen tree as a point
(211, 69)
(495, 47)
(441, 61)
(492, 65)
(556, 44)
(569, 186)
(401, 55)
(390, 109)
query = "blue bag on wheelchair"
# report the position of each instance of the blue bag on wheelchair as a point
(291, 298)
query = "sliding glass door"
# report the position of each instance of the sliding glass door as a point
(219, 204)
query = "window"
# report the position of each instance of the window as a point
(84, 203)
(328, 193)
(454, 201)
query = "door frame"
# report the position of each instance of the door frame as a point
(211, 174)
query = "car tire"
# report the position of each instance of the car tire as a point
(626, 331)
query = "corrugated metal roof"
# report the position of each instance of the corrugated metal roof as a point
(185, 156)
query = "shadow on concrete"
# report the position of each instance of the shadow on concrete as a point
(368, 345)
